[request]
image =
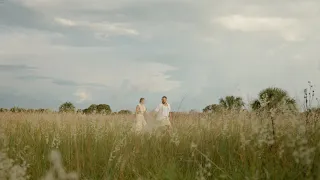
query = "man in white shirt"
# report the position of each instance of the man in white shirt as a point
(163, 113)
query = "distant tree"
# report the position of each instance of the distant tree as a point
(3, 110)
(193, 111)
(48, 111)
(79, 111)
(16, 109)
(212, 108)
(231, 102)
(125, 112)
(255, 105)
(30, 110)
(86, 111)
(67, 107)
(103, 109)
(41, 110)
(273, 98)
(99, 109)
(92, 109)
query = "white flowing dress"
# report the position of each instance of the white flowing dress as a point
(140, 120)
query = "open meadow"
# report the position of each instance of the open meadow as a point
(159, 90)
(227, 145)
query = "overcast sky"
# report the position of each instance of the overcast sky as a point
(114, 52)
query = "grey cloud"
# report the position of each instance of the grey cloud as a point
(149, 14)
(19, 67)
(73, 83)
(89, 39)
(16, 15)
(149, 11)
(156, 12)
(175, 29)
(9, 99)
(32, 77)
(61, 82)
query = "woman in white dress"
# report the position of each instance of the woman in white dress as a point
(140, 112)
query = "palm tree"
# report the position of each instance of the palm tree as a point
(231, 102)
(273, 98)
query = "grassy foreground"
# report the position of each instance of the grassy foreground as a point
(226, 146)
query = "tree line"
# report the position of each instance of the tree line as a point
(69, 107)
(269, 98)
(92, 109)
(18, 110)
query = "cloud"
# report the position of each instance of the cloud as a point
(65, 22)
(28, 18)
(9, 100)
(17, 42)
(70, 66)
(13, 96)
(61, 82)
(105, 28)
(16, 67)
(119, 51)
(287, 28)
(82, 95)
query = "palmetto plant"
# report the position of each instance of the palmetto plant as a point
(231, 102)
(273, 98)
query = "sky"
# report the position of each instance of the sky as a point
(192, 51)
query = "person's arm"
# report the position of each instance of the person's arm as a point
(137, 109)
(157, 108)
(145, 112)
(169, 111)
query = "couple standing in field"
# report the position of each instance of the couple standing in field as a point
(162, 115)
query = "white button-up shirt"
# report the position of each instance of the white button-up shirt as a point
(163, 111)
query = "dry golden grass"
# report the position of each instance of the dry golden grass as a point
(230, 145)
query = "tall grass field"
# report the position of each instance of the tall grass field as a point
(228, 145)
